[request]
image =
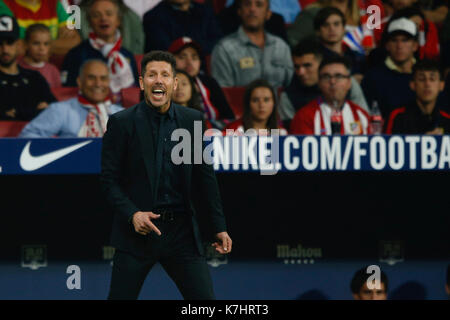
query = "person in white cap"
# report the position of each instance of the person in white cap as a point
(388, 82)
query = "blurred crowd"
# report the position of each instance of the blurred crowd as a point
(319, 67)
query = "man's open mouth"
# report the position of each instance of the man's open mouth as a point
(158, 93)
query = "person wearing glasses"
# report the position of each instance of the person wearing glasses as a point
(332, 108)
(304, 87)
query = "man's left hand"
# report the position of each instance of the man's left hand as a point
(223, 246)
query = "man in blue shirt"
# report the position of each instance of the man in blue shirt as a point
(84, 116)
(252, 53)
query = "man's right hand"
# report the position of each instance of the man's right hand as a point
(143, 224)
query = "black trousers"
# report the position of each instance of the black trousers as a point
(176, 251)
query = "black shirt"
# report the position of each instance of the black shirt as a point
(300, 95)
(23, 92)
(358, 61)
(169, 184)
(411, 120)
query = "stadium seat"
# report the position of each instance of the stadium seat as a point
(235, 98)
(64, 93)
(130, 96)
(11, 129)
(138, 59)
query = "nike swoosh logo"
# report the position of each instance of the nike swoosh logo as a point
(29, 162)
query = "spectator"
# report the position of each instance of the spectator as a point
(304, 87)
(356, 16)
(428, 36)
(24, 92)
(422, 116)
(360, 290)
(388, 82)
(334, 84)
(37, 44)
(251, 53)
(133, 38)
(260, 110)
(188, 55)
(172, 19)
(104, 43)
(230, 22)
(52, 14)
(185, 94)
(84, 116)
(329, 24)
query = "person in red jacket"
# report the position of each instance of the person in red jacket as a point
(332, 110)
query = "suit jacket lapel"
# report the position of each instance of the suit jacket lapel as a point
(145, 138)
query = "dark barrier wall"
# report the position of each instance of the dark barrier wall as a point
(314, 215)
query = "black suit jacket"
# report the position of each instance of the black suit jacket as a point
(128, 176)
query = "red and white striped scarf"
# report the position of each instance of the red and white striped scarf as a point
(97, 118)
(211, 112)
(354, 121)
(121, 75)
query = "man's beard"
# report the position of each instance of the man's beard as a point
(7, 64)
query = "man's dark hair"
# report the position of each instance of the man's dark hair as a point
(335, 59)
(308, 46)
(360, 277)
(158, 55)
(272, 122)
(324, 14)
(37, 27)
(427, 65)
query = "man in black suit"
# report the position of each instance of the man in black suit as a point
(155, 219)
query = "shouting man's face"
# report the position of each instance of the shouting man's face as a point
(158, 83)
